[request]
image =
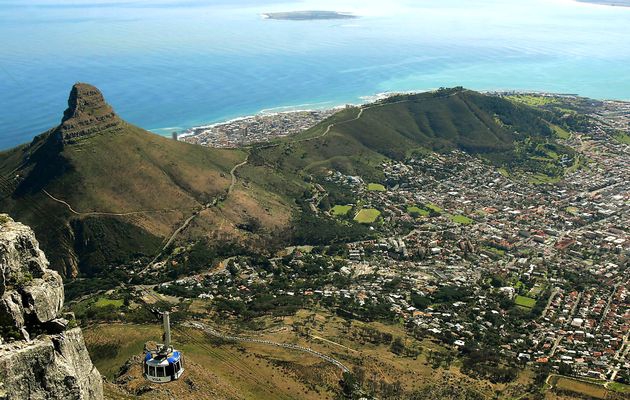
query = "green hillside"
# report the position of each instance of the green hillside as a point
(99, 191)
(356, 141)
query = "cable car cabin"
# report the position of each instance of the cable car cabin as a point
(163, 368)
(164, 364)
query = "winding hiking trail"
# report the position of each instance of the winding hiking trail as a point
(91, 213)
(233, 173)
(329, 128)
(188, 220)
(267, 146)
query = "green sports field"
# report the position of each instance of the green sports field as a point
(340, 211)
(367, 216)
(523, 301)
(376, 187)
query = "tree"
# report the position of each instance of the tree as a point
(348, 384)
(565, 369)
(397, 346)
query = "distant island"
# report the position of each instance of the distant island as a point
(308, 15)
(622, 3)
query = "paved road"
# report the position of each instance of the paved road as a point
(573, 310)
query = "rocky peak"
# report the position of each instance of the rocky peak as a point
(41, 354)
(87, 114)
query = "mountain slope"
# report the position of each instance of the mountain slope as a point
(356, 141)
(100, 191)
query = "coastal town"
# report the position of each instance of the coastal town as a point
(473, 256)
(255, 129)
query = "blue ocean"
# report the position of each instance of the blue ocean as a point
(172, 64)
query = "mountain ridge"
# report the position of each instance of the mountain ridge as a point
(99, 164)
(109, 193)
(87, 114)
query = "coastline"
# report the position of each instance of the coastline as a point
(595, 3)
(607, 3)
(282, 121)
(185, 132)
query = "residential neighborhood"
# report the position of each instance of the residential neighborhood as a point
(472, 255)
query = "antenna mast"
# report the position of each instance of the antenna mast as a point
(167, 330)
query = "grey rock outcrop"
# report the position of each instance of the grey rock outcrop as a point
(87, 114)
(40, 356)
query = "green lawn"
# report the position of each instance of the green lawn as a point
(434, 207)
(104, 301)
(499, 252)
(376, 187)
(623, 138)
(341, 210)
(533, 100)
(461, 219)
(582, 387)
(523, 301)
(560, 132)
(367, 216)
(417, 211)
(618, 387)
(571, 210)
(539, 179)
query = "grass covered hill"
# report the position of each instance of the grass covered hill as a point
(356, 141)
(100, 191)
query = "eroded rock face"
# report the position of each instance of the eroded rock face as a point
(87, 114)
(31, 294)
(50, 367)
(40, 358)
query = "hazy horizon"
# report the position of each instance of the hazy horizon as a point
(170, 65)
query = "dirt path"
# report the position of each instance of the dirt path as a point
(75, 212)
(333, 343)
(329, 128)
(233, 173)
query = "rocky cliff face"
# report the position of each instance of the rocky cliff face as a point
(87, 114)
(41, 355)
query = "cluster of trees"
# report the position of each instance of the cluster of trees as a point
(201, 256)
(261, 304)
(441, 359)
(486, 363)
(371, 310)
(358, 385)
(105, 241)
(445, 294)
(108, 279)
(371, 335)
(311, 229)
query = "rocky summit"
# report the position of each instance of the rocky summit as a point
(87, 114)
(41, 354)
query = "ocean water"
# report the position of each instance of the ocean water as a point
(171, 64)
